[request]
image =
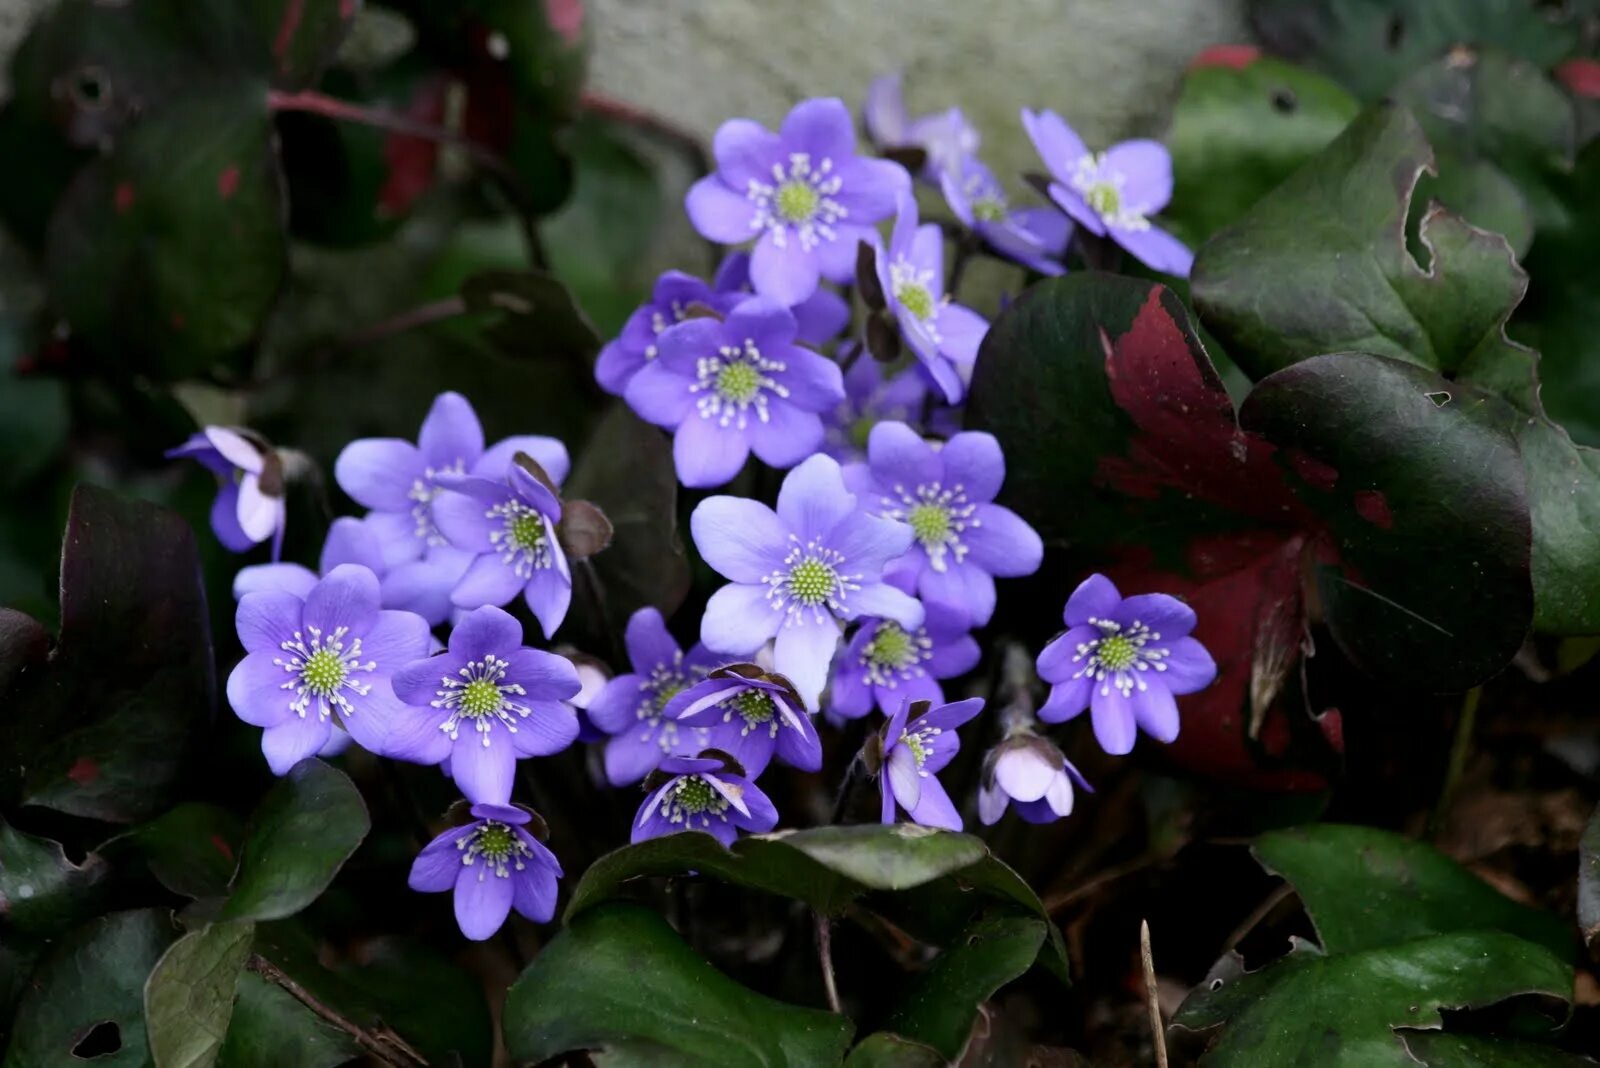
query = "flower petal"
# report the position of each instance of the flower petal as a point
(489, 581)
(904, 780)
(1095, 598)
(813, 499)
(648, 641)
(258, 514)
(1058, 144)
(869, 189)
(465, 521)
(423, 586)
(378, 473)
(293, 740)
(1024, 773)
(884, 601)
(549, 595)
(484, 631)
(821, 317)
(1165, 615)
(483, 773)
(787, 436)
(1000, 542)
(1112, 713)
(1155, 711)
(631, 756)
(533, 893)
(707, 454)
(899, 455)
(1157, 249)
(746, 152)
(550, 728)
(719, 213)
(739, 619)
(451, 434)
(660, 395)
(814, 382)
(267, 619)
(961, 332)
(255, 690)
(1146, 169)
(799, 747)
(820, 127)
(549, 453)
(741, 538)
(761, 320)
(482, 901)
(803, 651)
(346, 597)
(788, 273)
(285, 578)
(1189, 667)
(1058, 662)
(934, 808)
(973, 461)
(438, 866)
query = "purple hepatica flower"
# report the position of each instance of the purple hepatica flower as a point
(918, 741)
(750, 715)
(249, 505)
(1111, 193)
(819, 318)
(1124, 659)
(670, 303)
(962, 539)
(946, 136)
(399, 480)
(727, 388)
(702, 796)
(509, 525)
(870, 397)
(887, 665)
(421, 586)
(630, 708)
(494, 865)
(943, 336)
(483, 703)
(331, 652)
(797, 573)
(1034, 237)
(802, 193)
(1030, 773)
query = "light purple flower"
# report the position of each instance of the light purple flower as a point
(751, 716)
(331, 652)
(509, 525)
(702, 796)
(630, 708)
(887, 665)
(674, 295)
(1124, 659)
(962, 540)
(421, 586)
(819, 318)
(917, 742)
(802, 194)
(399, 480)
(1034, 237)
(1027, 771)
(1111, 193)
(733, 387)
(249, 507)
(797, 573)
(870, 397)
(943, 336)
(494, 865)
(482, 704)
(946, 136)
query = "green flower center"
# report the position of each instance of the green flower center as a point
(665, 693)
(755, 706)
(989, 209)
(1117, 653)
(324, 673)
(890, 647)
(1103, 198)
(525, 531)
(914, 298)
(797, 201)
(480, 697)
(930, 524)
(812, 582)
(919, 749)
(694, 795)
(495, 841)
(738, 382)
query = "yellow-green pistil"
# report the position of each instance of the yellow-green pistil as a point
(914, 298)
(738, 382)
(989, 209)
(890, 647)
(324, 673)
(754, 706)
(812, 582)
(930, 524)
(694, 795)
(1103, 198)
(1117, 653)
(526, 531)
(797, 201)
(480, 697)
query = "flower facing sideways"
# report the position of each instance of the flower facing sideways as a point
(703, 794)
(916, 744)
(751, 716)
(494, 865)
(1027, 771)
(249, 507)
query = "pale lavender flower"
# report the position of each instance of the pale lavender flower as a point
(732, 387)
(751, 716)
(311, 659)
(945, 136)
(249, 507)
(798, 573)
(1111, 193)
(670, 302)
(1125, 659)
(917, 742)
(1027, 771)
(1034, 237)
(702, 794)
(942, 335)
(802, 194)
(945, 493)
(494, 865)
(886, 665)
(631, 707)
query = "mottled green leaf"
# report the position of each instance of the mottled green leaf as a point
(271, 1029)
(884, 1050)
(1445, 1049)
(41, 891)
(188, 999)
(191, 849)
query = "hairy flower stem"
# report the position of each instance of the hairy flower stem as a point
(825, 958)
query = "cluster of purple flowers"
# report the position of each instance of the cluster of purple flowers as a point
(856, 594)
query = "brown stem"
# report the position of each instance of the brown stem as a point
(825, 958)
(1147, 960)
(383, 1043)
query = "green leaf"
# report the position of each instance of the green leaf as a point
(1321, 265)
(92, 986)
(191, 849)
(169, 251)
(1366, 888)
(439, 1006)
(188, 999)
(1343, 1009)
(1445, 1049)
(102, 730)
(1479, 192)
(884, 1050)
(33, 408)
(1239, 131)
(1425, 508)
(271, 1029)
(41, 891)
(941, 1007)
(300, 836)
(618, 980)
(538, 315)
(294, 40)
(1589, 881)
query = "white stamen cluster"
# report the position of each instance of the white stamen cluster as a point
(659, 324)
(319, 669)
(914, 290)
(477, 694)
(499, 847)
(422, 493)
(664, 683)
(523, 540)
(811, 577)
(1120, 656)
(1101, 189)
(798, 200)
(921, 743)
(691, 797)
(938, 516)
(894, 654)
(735, 379)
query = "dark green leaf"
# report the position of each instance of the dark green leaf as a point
(41, 891)
(1479, 192)
(1444, 1049)
(1238, 131)
(170, 250)
(295, 39)
(92, 982)
(33, 408)
(620, 981)
(1310, 1009)
(1426, 509)
(1589, 881)
(102, 731)
(436, 1004)
(300, 835)
(270, 1029)
(191, 850)
(538, 316)
(1366, 888)
(188, 999)
(884, 1050)
(944, 1002)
